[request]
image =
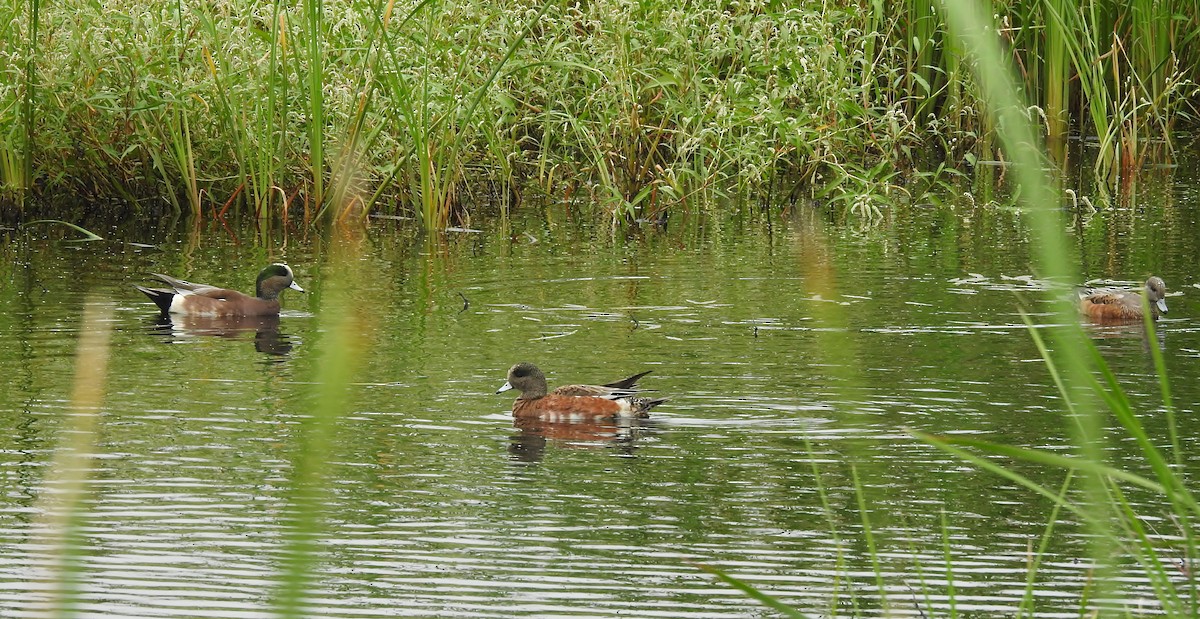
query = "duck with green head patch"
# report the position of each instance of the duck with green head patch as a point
(203, 300)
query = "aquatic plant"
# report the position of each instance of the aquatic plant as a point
(1121, 72)
(427, 108)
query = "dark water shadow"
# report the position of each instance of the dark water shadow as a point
(534, 435)
(268, 339)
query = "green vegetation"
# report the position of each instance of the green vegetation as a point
(432, 108)
(633, 157)
(1093, 491)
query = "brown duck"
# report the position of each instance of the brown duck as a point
(1117, 305)
(575, 402)
(210, 301)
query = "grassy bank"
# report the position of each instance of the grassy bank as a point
(422, 109)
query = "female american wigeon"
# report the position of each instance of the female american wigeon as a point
(1116, 304)
(204, 300)
(575, 402)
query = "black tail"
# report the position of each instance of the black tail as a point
(641, 406)
(628, 383)
(161, 298)
(651, 403)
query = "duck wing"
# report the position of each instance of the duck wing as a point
(594, 391)
(1103, 296)
(218, 294)
(624, 388)
(183, 286)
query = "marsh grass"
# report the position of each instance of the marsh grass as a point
(17, 105)
(408, 107)
(624, 145)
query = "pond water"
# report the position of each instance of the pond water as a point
(796, 354)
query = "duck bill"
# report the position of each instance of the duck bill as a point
(295, 286)
(506, 387)
(1161, 304)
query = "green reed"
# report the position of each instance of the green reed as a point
(420, 107)
(1092, 490)
(1056, 73)
(62, 501)
(314, 20)
(267, 159)
(17, 133)
(1088, 389)
(342, 349)
(238, 117)
(30, 90)
(442, 119)
(1124, 65)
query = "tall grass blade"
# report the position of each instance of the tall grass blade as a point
(972, 21)
(831, 520)
(948, 443)
(438, 140)
(60, 506)
(869, 535)
(88, 235)
(1144, 551)
(342, 348)
(948, 560)
(1056, 77)
(1177, 459)
(766, 600)
(314, 13)
(1027, 606)
(31, 88)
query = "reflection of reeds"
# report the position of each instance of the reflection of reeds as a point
(60, 505)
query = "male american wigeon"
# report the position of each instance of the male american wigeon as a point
(575, 402)
(204, 300)
(1116, 304)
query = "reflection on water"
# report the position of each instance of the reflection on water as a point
(622, 434)
(265, 330)
(796, 356)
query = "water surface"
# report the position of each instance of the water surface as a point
(797, 355)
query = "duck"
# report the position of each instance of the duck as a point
(1117, 304)
(575, 402)
(191, 299)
